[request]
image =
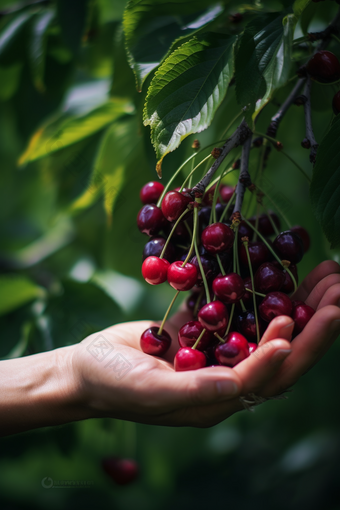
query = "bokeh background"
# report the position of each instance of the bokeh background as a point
(70, 258)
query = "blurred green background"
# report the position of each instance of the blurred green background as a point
(70, 258)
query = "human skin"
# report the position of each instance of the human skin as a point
(76, 383)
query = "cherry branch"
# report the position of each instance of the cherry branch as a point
(309, 142)
(244, 180)
(276, 119)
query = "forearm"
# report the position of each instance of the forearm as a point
(38, 391)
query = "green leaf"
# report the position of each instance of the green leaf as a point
(12, 39)
(66, 129)
(9, 80)
(187, 89)
(325, 187)
(299, 6)
(148, 38)
(265, 56)
(37, 46)
(72, 18)
(307, 17)
(16, 291)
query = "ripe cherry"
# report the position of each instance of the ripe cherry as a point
(258, 253)
(289, 246)
(189, 359)
(275, 304)
(229, 288)
(245, 230)
(268, 278)
(234, 350)
(150, 192)
(302, 314)
(288, 284)
(336, 103)
(246, 325)
(122, 471)
(324, 67)
(248, 296)
(153, 343)
(217, 237)
(182, 278)
(174, 204)
(214, 316)
(265, 226)
(150, 220)
(189, 333)
(252, 347)
(210, 268)
(226, 193)
(302, 232)
(155, 270)
(155, 246)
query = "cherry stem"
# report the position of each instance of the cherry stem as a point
(230, 319)
(276, 206)
(276, 119)
(206, 287)
(191, 174)
(220, 264)
(227, 207)
(194, 170)
(193, 234)
(244, 179)
(198, 300)
(257, 293)
(167, 313)
(276, 230)
(256, 222)
(308, 121)
(198, 339)
(172, 231)
(236, 267)
(220, 338)
(245, 243)
(275, 255)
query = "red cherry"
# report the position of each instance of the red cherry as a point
(258, 253)
(214, 316)
(275, 304)
(210, 268)
(268, 278)
(336, 103)
(150, 192)
(155, 270)
(122, 471)
(288, 284)
(189, 333)
(150, 220)
(245, 230)
(189, 359)
(289, 246)
(226, 193)
(174, 204)
(209, 196)
(217, 237)
(302, 232)
(182, 278)
(154, 247)
(246, 325)
(153, 343)
(252, 347)
(248, 296)
(229, 288)
(234, 350)
(301, 315)
(324, 67)
(265, 226)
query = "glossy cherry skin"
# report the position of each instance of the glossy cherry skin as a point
(154, 247)
(234, 350)
(248, 296)
(258, 253)
(268, 278)
(275, 304)
(210, 268)
(150, 220)
(174, 204)
(289, 246)
(252, 347)
(245, 230)
(189, 359)
(246, 325)
(153, 343)
(189, 333)
(155, 270)
(229, 288)
(150, 192)
(226, 193)
(182, 278)
(324, 67)
(265, 226)
(301, 315)
(302, 232)
(214, 316)
(122, 471)
(288, 284)
(336, 103)
(217, 237)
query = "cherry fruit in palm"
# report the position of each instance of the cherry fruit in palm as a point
(155, 270)
(154, 247)
(234, 350)
(301, 315)
(252, 347)
(229, 288)
(289, 246)
(214, 316)
(246, 325)
(182, 278)
(151, 192)
(153, 343)
(268, 278)
(189, 333)
(122, 471)
(275, 304)
(324, 67)
(189, 359)
(150, 220)
(174, 204)
(217, 237)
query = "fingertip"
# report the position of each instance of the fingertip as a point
(280, 327)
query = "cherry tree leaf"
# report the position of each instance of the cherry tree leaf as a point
(187, 89)
(16, 291)
(37, 46)
(299, 6)
(325, 187)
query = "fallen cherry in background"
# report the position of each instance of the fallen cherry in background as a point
(122, 471)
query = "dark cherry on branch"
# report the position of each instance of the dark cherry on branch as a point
(182, 278)
(210, 268)
(153, 343)
(268, 278)
(246, 325)
(275, 304)
(217, 237)
(233, 351)
(151, 192)
(248, 296)
(229, 288)
(258, 253)
(245, 230)
(189, 333)
(150, 219)
(324, 67)
(174, 204)
(289, 246)
(265, 226)
(189, 359)
(154, 247)
(155, 270)
(302, 232)
(214, 316)
(288, 284)
(226, 193)
(301, 315)
(122, 471)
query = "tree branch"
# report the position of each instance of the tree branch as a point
(244, 179)
(275, 121)
(309, 142)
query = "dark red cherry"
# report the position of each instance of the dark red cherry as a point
(214, 316)
(268, 278)
(204, 217)
(265, 226)
(258, 253)
(275, 304)
(189, 333)
(153, 343)
(245, 230)
(336, 103)
(150, 220)
(209, 196)
(189, 359)
(252, 347)
(226, 193)
(302, 232)
(289, 246)
(155, 270)
(248, 296)
(150, 192)
(288, 284)
(217, 237)
(182, 278)
(174, 204)
(301, 315)
(180, 235)
(210, 268)
(122, 471)
(234, 350)
(229, 288)
(324, 67)
(246, 325)
(154, 247)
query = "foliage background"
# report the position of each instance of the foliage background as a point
(70, 257)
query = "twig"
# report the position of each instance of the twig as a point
(275, 121)
(240, 135)
(309, 141)
(244, 179)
